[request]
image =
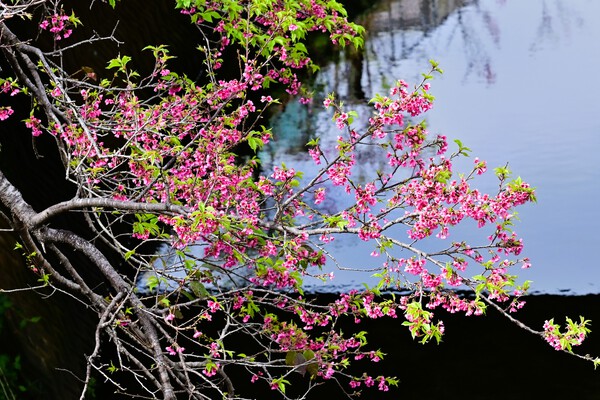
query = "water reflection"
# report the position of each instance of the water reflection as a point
(517, 89)
(404, 25)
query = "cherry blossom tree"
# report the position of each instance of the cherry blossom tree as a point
(212, 247)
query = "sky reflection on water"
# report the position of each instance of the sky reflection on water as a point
(519, 87)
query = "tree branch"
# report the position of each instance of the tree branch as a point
(81, 204)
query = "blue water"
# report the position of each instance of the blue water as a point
(520, 87)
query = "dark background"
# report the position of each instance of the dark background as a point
(488, 357)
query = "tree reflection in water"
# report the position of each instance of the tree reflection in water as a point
(504, 94)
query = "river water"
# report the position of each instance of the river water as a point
(520, 87)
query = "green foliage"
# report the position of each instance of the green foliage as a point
(435, 66)
(518, 185)
(462, 150)
(198, 289)
(14, 382)
(119, 63)
(112, 368)
(420, 325)
(146, 225)
(10, 371)
(574, 335)
(502, 172)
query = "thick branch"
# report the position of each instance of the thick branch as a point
(119, 284)
(12, 199)
(80, 204)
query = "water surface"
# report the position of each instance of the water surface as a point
(520, 87)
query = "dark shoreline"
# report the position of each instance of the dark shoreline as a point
(480, 358)
(489, 357)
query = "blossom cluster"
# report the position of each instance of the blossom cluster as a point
(574, 335)
(60, 24)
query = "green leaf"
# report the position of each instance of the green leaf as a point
(114, 63)
(312, 369)
(463, 150)
(290, 357)
(183, 3)
(153, 282)
(45, 279)
(119, 62)
(309, 354)
(198, 289)
(255, 143)
(209, 15)
(502, 172)
(112, 368)
(165, 302)
(129, 254)
(313, 142)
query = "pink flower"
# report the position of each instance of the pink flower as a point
(5, 112)
(382, 385)
(214, 306)
(319, 195)
(34, 124)
(56, 92)
(58, 25)
(341, 120)
(329, 372)
(315, 154)
(211, 371)
(414, 266)
(174, 350)
(480, 166)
